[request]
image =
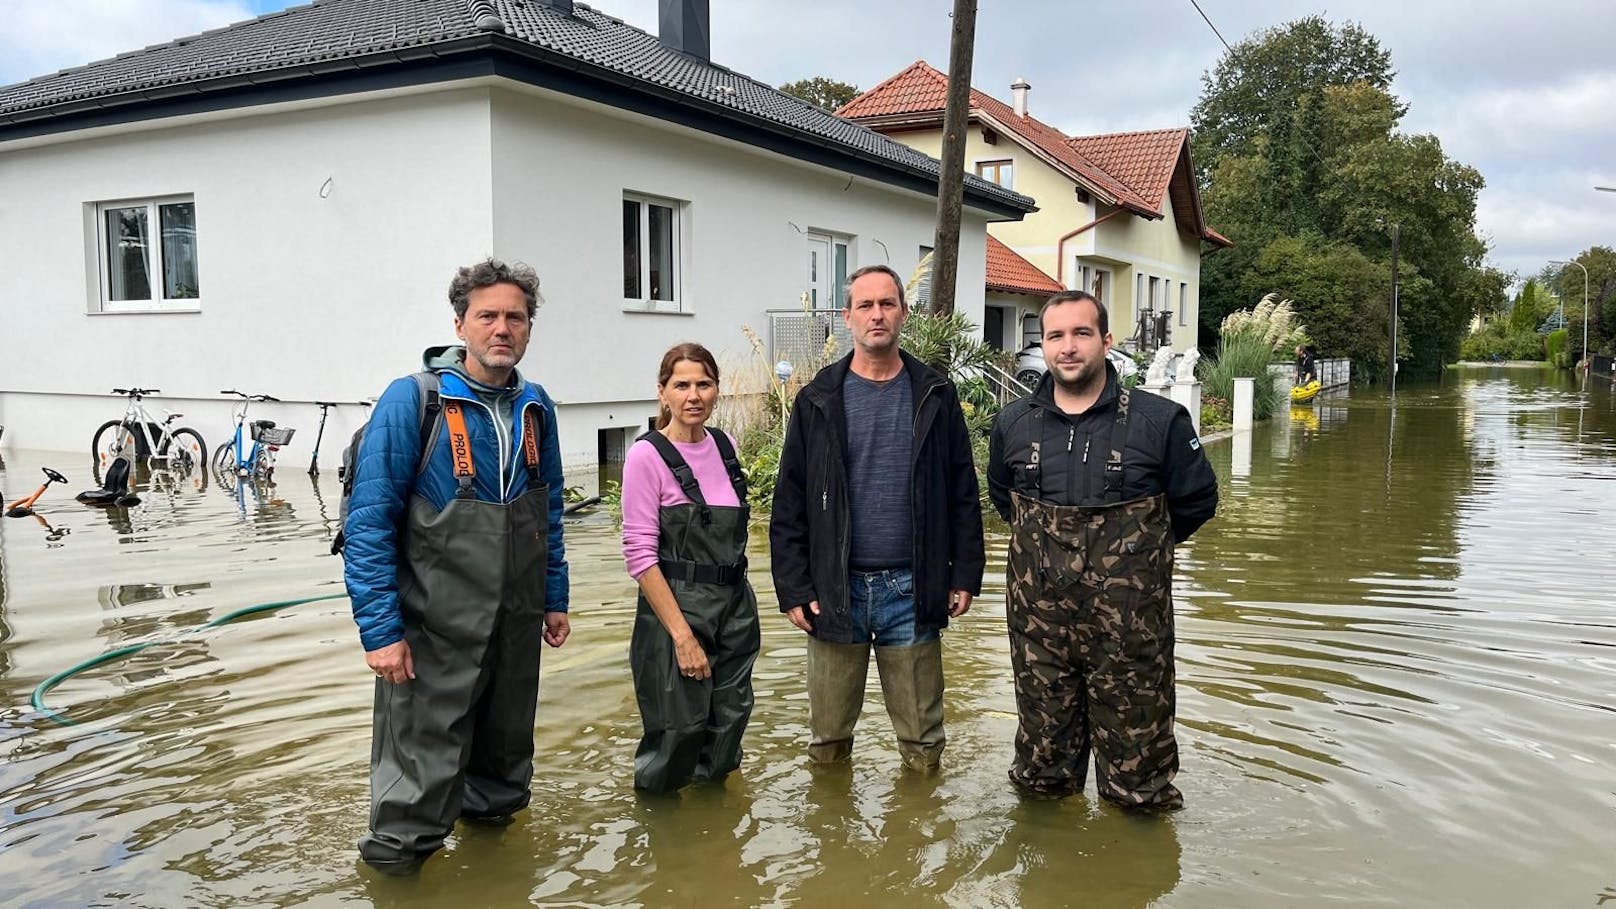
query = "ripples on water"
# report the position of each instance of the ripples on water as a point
(1395, 660)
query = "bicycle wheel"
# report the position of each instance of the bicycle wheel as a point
(111, 439)
(186, 450)
(263, 466)
(224, 461)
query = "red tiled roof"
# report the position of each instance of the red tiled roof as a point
(1155, 164)
(1143, 160)
(921, 89)
(1137, 170)
(1009, 272)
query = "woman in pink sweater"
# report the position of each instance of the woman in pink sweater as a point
(684, 540)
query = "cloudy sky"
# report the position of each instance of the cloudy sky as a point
(1521, 91)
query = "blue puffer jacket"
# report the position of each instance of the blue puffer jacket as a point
(388, 457)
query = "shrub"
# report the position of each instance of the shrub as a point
(1243, 356)
(1556, 349)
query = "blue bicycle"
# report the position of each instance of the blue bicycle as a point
(251, 452)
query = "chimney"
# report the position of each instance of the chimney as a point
(1018, 92)
(684, 27)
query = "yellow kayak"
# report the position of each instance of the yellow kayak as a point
(1306, 392)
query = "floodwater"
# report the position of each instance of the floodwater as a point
(1397, 687)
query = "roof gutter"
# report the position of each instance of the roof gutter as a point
(1060, 245)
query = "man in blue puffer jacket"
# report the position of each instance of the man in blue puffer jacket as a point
(456, 569)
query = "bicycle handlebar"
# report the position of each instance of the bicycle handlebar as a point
(243, 395)
(137, 392)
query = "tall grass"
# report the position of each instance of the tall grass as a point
(1243, 356)
(1248, 343)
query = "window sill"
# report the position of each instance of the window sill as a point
(636, 307)
(152, 311)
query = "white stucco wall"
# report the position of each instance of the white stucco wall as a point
(302, 297)
(310, 298)
(561, 168)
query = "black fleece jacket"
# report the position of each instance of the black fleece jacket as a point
(809, 532)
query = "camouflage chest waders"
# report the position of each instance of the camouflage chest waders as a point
(457, 740)
(1090, 612)
(693, 727)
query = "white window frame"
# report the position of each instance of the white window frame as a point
(1183, 303)
(102, 301)
(681, 257)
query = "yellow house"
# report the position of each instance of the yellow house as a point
(1118, 215)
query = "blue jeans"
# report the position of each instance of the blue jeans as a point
(882, 604)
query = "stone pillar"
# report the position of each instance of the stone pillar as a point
(1189, 395)
(1243, 391)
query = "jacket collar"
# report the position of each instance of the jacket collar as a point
(1044, 394)
(828, 383)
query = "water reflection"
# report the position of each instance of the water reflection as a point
(1395, 634)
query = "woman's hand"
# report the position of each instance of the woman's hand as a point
(692, 658)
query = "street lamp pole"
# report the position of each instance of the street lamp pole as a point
(1584, 300)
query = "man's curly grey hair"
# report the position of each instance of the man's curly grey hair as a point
(489, 272)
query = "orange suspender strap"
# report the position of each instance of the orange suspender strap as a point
(459, 449)
(530, 442)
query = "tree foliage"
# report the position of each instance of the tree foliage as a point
(822, 90)
(1305, 170)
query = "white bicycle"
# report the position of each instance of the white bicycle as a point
(139, 436)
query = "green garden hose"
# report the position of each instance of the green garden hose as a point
(112, 655)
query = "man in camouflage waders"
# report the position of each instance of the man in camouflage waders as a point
(1098, 482)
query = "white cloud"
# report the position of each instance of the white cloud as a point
(39, 38)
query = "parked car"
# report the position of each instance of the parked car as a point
(1030, 364)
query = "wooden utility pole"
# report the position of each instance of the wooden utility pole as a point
(951, 181)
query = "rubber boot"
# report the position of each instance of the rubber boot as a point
(836, 674)
(912, 683)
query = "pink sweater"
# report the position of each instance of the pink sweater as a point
(648, 485)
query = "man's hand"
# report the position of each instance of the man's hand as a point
(556, 628)
(795, 614)
(392, 663)
(959, 602)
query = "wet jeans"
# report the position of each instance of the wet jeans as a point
(882, 604)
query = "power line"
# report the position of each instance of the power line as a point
(1209, 24)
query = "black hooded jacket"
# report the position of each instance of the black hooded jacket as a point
(809, 532)
(1162, 454)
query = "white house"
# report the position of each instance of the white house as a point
(277, 206)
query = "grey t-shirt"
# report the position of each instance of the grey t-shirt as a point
(880, 441)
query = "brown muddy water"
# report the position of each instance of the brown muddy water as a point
(1397, 687)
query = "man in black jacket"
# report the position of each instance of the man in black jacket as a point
(876, 529)
(1098, 482)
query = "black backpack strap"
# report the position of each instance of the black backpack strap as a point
(429, 409)
(732, 464)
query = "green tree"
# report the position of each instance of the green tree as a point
(823, 91)
(1297, 133)
(1567, 279)
(1263, 80)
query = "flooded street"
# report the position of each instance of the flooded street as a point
(1397, 687)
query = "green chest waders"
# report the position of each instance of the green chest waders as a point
(457, 740)
(1090, 612)
(693, 727)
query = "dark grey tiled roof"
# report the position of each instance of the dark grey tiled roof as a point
(302, 40)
